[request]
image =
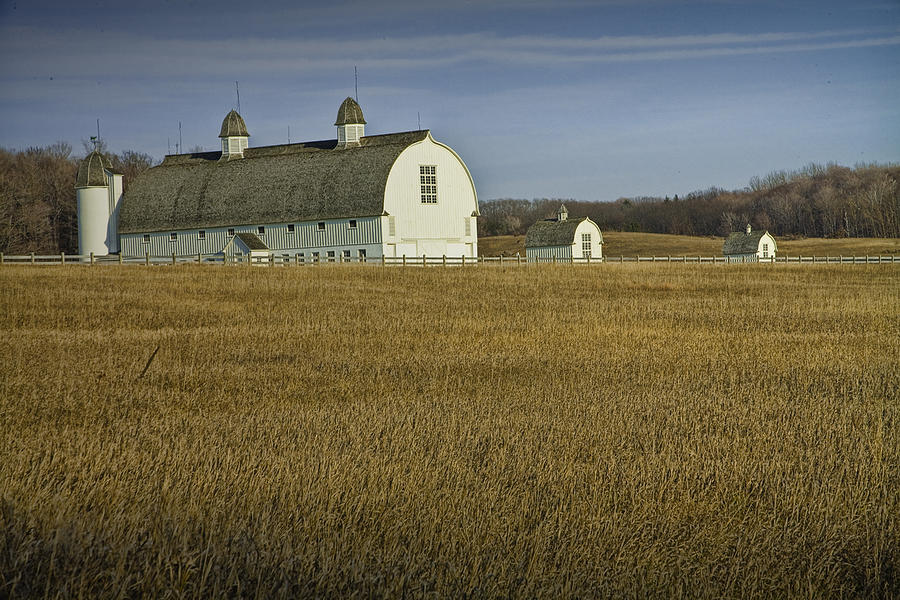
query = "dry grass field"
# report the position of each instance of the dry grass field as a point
(622, 243)
(544, 431)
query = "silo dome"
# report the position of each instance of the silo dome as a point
(233, 126)
(350, 113)
(91, 171)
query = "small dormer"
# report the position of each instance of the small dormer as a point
(234, 136)
(561, 213)
(351, 126)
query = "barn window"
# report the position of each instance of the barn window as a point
(261, 230)
(201, 235)
(331, 256)
(290, 228)
(361, 253)
(173, 237)
(428, 183)
(320, 225)
(146, 238)
(345, 253)
(765, 250)
(586, 244)
(231, 232)
(352, 224)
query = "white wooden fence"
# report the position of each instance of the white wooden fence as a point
(419, 261)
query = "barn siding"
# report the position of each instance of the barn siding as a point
(307, 238)
(548, 252)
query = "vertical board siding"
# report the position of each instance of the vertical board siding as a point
(548, 252)
(306, 237)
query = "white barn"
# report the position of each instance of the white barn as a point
(563, 239)
(355, 196)
(749, 246)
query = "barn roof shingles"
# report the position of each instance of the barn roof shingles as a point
(741, 242)
(552, 233)
(272, 184)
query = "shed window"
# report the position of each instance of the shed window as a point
(260, 230)
(352, 224)
(428, 183)
(173, 237)
(201, 235)
(231, 232)
(586, 244)
(331, 256)
(146, 238)
(290, 228)
(346, 253)
(320, 225)
(765, 250)
(361, 253)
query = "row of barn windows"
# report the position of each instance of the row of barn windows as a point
(330, 255)
(260, 230)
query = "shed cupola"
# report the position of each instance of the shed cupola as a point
(351, 125)
(561, 213)
(234, 136)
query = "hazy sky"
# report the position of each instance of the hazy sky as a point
(556, 98)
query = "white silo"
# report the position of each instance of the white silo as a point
(98, 194)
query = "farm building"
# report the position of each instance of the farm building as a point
(355, 196)
(563, 238)
(749, 246)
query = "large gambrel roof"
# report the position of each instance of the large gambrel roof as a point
(272, 184)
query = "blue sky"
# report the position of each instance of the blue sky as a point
(572, 99)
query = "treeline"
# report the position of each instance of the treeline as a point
(37, 196)
(815, 201)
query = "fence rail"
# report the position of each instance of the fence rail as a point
(415, 261)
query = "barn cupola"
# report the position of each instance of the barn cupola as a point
(351, 125)
(749, 229)
(561, 213)
(234, 136)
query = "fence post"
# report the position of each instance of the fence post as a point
(404, 260)
(121, 258)
(463, 257)
(92, 258)
(518, 259)
(62, 258)
(501, 260)
(199, 258)
(444, 260)
(382, 259)
(1, 258)
(32, 258)
(147, 259)
(554, 259)
(423, 260)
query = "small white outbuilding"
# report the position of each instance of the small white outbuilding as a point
(749, 246)
(563, 239)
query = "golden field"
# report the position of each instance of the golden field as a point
(625, 243)
(541, 431)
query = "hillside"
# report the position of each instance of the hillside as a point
(619, 243)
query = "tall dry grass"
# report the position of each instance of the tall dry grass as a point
(637, 430)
